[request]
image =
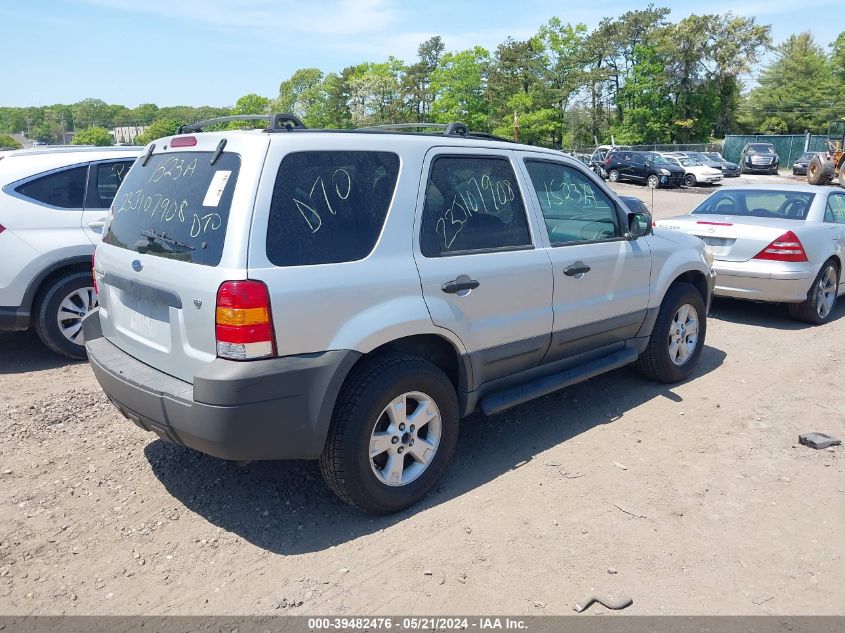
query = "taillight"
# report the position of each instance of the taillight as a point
(786, 248)
(2, 228)
(244, 323)
(94, 271)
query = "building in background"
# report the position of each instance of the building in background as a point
(126, 135)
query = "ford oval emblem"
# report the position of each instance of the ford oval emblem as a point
(137, 265)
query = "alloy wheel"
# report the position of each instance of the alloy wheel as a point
(405, 439)
(73, 308)
(683, 334)
(826, 295)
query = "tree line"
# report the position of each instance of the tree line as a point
(636, 78)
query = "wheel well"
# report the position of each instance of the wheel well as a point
(696, 279)
(40, 286)
(435, 349)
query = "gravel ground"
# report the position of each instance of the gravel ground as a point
(692, 499)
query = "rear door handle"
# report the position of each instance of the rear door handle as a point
(459, 285)
(99, 224)
(578, 268)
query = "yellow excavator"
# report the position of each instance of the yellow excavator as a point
(831, 162)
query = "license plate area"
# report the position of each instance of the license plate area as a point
(142, 319)
(717, 246)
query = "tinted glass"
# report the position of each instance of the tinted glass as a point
(104, 181)
(65, 189)
(329, 207)
(575, 208)
(177, 206)
(472, 204)
(762, 149)
(786, 205)
(639, 159)
(835, 209)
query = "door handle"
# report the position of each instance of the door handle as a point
(460, 284)
(576, 269)
(96, 225)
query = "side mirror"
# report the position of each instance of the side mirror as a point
(639, 224)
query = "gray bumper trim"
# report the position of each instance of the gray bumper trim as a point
(278, 408)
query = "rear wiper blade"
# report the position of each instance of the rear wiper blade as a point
(160, 236)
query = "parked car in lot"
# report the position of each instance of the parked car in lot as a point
(53, 205)
(696, 173)
(645, 167)
(729, 169)
(799, 167)
(774, 243)
(759, 157)
(348, 297)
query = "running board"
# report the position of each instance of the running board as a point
(501, 400)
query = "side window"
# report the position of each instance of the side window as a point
(835, 209)
(65, 189)
(104, 180)
(472, 204)
(639, 160)
(575, 208)
(329, 207)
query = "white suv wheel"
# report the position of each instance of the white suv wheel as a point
(73, 308)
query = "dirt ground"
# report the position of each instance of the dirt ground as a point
(692, 499)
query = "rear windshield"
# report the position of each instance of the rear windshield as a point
(784, 205)
(329, 207)
(177, 206)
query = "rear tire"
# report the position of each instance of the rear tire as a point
(662, 360)
(690, 181)
(59, 313)
(820, 170)
(367, 413)
(818, 307)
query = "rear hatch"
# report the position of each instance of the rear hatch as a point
(760, 217)
(178, 228)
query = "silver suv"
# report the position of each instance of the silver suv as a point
(349, 296)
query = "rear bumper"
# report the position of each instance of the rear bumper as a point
(278, 408)
(763, 281)
(14, 319)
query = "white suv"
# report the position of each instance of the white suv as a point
(53, 205)
(349, 296)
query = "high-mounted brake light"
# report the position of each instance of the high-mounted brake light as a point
(243, 321)
(183, 141)
(715, 223)
(786, 248)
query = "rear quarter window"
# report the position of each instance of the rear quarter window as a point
(176, 206)
(330, 206)
(64, 189)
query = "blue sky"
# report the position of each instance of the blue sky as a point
(198, 52)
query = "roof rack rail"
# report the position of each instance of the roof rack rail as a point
(448, 129)
(275, 122)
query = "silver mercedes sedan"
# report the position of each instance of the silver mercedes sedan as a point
(782, 243)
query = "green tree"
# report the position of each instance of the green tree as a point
(418, 93)
(158, 129)
(7, 142)
(92, 136)
(459, 83)
(797, 87)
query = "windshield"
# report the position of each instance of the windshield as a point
(785, 205)
(177, 206)
(762, 149)
(689, 162)
(657, 159)
(717, 157)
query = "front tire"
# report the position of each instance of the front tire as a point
(690, 181)
(653, 182)
(58, 318)
(613, 175)
(678, 336)
(818, 307)
(393, 433)
(820, 170)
